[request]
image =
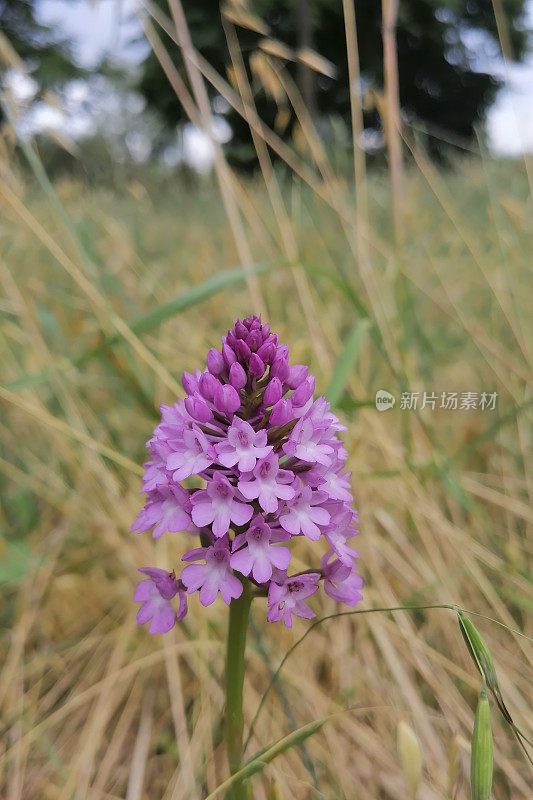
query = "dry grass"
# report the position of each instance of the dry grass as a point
(93, 708)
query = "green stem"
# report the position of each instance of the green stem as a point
(239, 612)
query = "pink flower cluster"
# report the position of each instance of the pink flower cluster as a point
(264, 466)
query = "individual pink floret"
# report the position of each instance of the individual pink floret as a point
(258, 555)
(268, 483)
(243, 446)
(212, 577)
(289, 598)
(304, 514)
(155, 595)
(191, 454)
(217, 506)
(305, 442)
(341, 582)
(166, 509)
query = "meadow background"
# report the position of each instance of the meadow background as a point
(414, 276)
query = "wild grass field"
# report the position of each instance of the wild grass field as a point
(91, 705)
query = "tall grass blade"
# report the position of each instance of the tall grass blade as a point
(347, 361)
(193, 296)
(150, 321)
(261, 759)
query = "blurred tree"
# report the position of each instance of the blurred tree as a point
(446, 51)
(47, 57)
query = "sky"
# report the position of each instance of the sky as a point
(105, 27)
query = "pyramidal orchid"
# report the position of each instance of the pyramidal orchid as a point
(262, 465)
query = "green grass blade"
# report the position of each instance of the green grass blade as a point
(284, 702)
(347, 361)
(28, 381)
(194, 295)
(150, 321)
(258, 762)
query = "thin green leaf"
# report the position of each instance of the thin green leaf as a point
(261, 759)
(347, 361)
(351, 294)
(150, 321)
(455, 489)
(194, 295)
(360, 308)
(28, 381)
(284, 702)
